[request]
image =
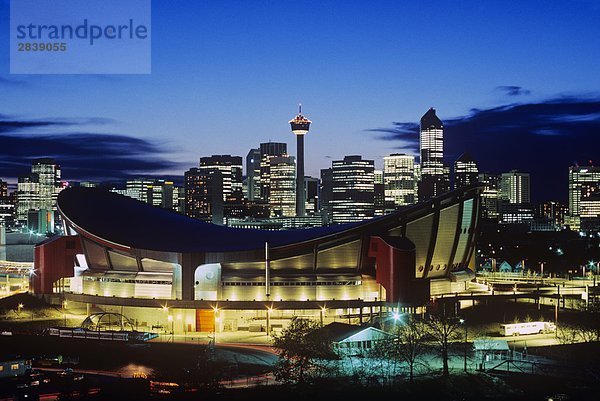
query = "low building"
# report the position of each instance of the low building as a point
(348, 339)
(488, 350)
(14, 367)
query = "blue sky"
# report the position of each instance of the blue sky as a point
(227, 75)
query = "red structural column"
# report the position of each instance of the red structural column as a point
(54, 259)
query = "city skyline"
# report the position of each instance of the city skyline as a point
(181, 113)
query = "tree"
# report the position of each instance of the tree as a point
(207, 374)
(410, 345)
(302, 351)
(443, 330)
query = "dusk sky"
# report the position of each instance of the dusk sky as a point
(516, 83)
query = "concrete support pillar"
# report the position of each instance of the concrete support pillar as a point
(189, 262)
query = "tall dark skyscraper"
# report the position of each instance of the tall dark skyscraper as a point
(300, 126)
(326, 194)
(434, 177)
(253, 174)
(204, 195)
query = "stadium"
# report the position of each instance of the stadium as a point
(163, 269)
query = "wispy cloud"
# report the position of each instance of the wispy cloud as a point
(543, 138)
(512, 90)
(84, 155)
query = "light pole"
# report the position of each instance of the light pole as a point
(170, 319)
(64, 304)
(214, 339)
(269, 311)
(463, 322)
(323, 310)
(19, 307)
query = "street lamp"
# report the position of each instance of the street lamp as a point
(19, 307)
(323, 310)
(215, 311)
(64, 305)
(463, 322)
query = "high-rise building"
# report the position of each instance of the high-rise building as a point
(267, 151)
(7, 208)
(353, 197)
(49, 175)
(583, 180)
(300, 126)
(515, 199)
(137, 189)
(163, 194)
(282, 193)
(311, 189)
(399, 179)
(589, 211)
(434, 176)
(514, 187)
(3, 189)
(465, 171)
(326, 195)
(204, 195)
(490, 196)
(231, 172)
(253, 175)
(28, 195)
(553, 211)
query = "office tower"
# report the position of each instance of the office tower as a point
(138, 189)
(582, 181)
(399, 179)
(253, 175)
(282, 193)
(267, 151)
(311, 190)
(300, 126)
(490, 196)
(28, 195)
(465, 171)
(515, 200)
(326, 195)
(434, 177)
(514, 187)
(163, 194)
(589, 211)
(7, 207)
(353, 189)
(204, 195)
(48, 173)
(553, 211)
(3, 189)
(231, 172)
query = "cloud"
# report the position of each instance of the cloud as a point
(542, 138)
(83, 155)
(512, 90)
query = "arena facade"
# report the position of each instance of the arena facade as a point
(163, 269)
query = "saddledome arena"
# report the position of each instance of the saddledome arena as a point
(163, 269)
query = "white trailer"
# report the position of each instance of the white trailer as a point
(517, 329)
